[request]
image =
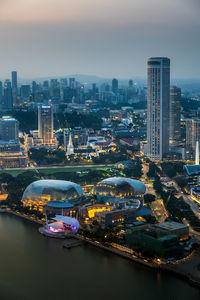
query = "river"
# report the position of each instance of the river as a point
(34, 267)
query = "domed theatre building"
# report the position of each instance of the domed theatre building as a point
(56, 196)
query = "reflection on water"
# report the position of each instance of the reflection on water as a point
(36, 267)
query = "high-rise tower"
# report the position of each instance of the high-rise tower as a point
(114, 85)
(175, 115)
(8, 98)
(158, 107)
(192, 133)
(45, 124)
(14, 87)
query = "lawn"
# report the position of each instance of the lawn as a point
(53, 170)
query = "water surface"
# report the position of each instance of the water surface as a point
(35, 267)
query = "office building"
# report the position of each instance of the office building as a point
(9, 128)
(1, 93)
(192, 133)
(45, 124)
(114, 85)
(158, 107)
(11, 156)
(175, 115)
(72, 83)
(8, 98)
(14, 87)
(130, 83)
(25, 92)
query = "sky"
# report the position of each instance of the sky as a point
(108, 38)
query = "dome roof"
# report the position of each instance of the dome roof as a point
(119, 187)
(44, 191)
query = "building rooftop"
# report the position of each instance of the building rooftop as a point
(192, 170)
(170, 225)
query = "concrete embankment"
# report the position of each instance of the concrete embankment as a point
(120, 253)
(174, 269)
(188, 269)
(21, 216)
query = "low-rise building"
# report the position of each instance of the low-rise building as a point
(116, 216)
(154, 243)
(170, 227)
(91, 210)
(11, 156)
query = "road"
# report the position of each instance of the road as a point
(187, 198)
(59, 167)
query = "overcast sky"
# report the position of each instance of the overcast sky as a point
(109, 38)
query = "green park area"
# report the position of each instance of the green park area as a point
(49, 171)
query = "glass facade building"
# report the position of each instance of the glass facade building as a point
(40, 192)
(119, 187)
(158, 107)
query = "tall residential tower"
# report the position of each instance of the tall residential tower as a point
(175, 115)
(158, 107)
(14, 87)
(45, 124)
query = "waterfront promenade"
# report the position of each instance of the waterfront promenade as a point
(187, 268)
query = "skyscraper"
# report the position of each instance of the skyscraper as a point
(1, 93)
(192, 133)
(14, 87)
(72, 83)
(9, 128)
(8, 98)
(45, 124)
(158, 107)
(175, 115)
(130, 83)
(114, 85)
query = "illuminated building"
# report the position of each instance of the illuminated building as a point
(192, 133)
(39, 193)
(11, 156)
(158, 107)
(175, 115)
(70, 147)
(193, 173)
(119, 188)
(61, 228)
(60, 207)
(14, 87)
(90, 210)
(45, 125)
(116, 216)
(9, 128)
(8, 98)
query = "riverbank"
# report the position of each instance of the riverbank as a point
(30, 219)
(180, 269)
(188, 269)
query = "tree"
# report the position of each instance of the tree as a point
(148, 198)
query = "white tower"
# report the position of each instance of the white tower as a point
(70, 146)
(158, 107)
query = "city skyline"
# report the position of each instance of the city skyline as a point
(104, 38)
